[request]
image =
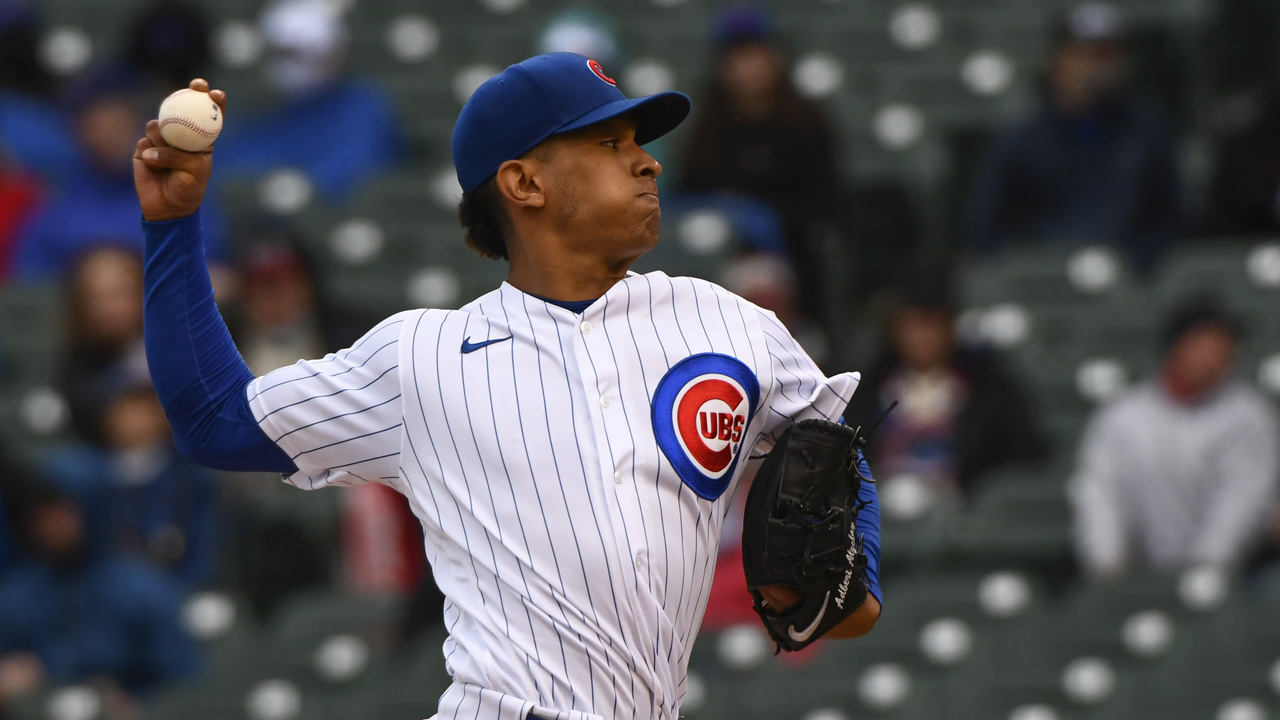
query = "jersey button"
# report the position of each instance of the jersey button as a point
(606, 401)
(617, 477)
(587, 327)
(640, 562)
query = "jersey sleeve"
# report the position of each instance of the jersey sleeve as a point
(339, 418)
(800, 390)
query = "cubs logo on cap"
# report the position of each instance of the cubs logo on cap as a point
(702, 409)
(599, 71)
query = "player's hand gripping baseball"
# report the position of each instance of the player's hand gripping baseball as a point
(171, 182)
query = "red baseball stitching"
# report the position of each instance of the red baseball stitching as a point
(189, 124)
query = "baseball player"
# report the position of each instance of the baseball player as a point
(569, 441)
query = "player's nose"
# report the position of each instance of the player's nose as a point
(648, 166)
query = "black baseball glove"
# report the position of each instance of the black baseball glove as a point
(800, 531)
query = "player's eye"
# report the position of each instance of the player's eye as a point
(610, 143)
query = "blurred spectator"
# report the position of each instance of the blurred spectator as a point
(99, 205)
(34, 132)
(1244, 195)
(769, 281)
(756, 139)
(1182, 469)
(72, 611)
(338, 130)
(19, 198)
(960, 412)
(1093, 164)
(154, 504)
(283, 314)
(168, 42)
(103, 342)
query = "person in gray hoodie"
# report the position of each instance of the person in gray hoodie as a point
(1181, 470)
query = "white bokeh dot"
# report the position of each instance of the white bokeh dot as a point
(273, 700)
(1147, 634)
(915, 26)
(1263, 265)
(237, 44)
(469, 78)
(1088, 680)
(357, 241)
(1241, 708)
(884, 686)
(898, 126)
(412, 38)
(1006, 325)
(1269, 374)
(648, 76)
(445, 189)
(704, 232)
(818, 76)
(1093, 269)
(341, 658)
(1004, 594)
(946, 641)
(64, 50)
(1203, 588)
(1101, 379)
(825, 713)
(695, 692)
(987, 72)
(502, 7)
(208, 615)
(44, 410)
(905, 497)
(76, 702)
(1035, 711)
(434, 287)
(743, 647)
(285, 191)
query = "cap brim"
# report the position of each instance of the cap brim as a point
(655, 115)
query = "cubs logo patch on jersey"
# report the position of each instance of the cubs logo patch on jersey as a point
(701, 411)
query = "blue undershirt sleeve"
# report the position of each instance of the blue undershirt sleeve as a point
(198, 374)
(869, 529)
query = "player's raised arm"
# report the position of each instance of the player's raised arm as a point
(198, 374)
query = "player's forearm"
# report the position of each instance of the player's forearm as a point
(198, 374)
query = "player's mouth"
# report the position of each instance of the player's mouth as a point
(650, 196)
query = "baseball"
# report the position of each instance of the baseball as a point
(190, 120)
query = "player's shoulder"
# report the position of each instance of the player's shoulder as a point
(680, 287)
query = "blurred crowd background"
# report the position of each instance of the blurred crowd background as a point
(1048, 229)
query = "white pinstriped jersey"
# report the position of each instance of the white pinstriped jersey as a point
(571, 474)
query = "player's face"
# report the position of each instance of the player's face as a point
(602, 189)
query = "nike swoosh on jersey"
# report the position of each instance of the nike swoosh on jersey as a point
(468, 346)
(807, 632)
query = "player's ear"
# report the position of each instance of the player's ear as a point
(518, 180)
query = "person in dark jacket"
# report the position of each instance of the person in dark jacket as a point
(1093, 164)
(960, 414)
(72, 610)
(756, 138)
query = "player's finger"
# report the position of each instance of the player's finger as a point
(199, 85)
(153, 134)
(143, 144)
(167, 158)
(219, 97)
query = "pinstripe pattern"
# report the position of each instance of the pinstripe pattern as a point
(575, 561)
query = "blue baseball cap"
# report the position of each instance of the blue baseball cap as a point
(527, 103)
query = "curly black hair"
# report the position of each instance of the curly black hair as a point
(485, 218)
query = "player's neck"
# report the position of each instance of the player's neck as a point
(565, 277)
